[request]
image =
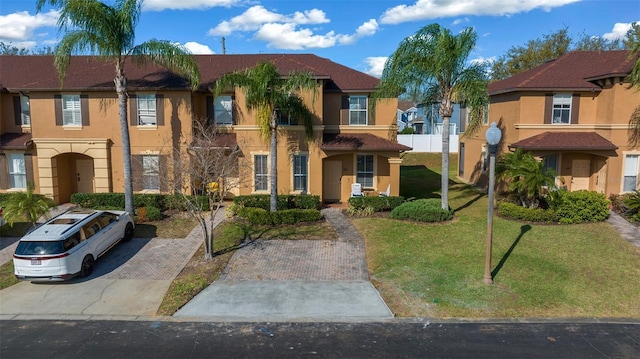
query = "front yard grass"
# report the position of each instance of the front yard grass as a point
(436, 270)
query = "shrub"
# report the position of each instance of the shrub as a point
(360, 212)
(378, 204)
(148, 200)
(423, 210)
(154, 213)
(284, 201)
(306, 201)
(116, 201)
(99, 200)
(141, 215)
(514, 211)
(260, 216)
(580, 206)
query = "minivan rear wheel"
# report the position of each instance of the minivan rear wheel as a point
(87, 266)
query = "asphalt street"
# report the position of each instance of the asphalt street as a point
(172, 339)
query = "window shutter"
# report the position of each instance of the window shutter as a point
(344, 111)
(57, 102)
(548, 108)
(575, 108)
(209, 109)
(136, 172)
(28, 167)
(160, 109)
(133, 110)
(17, 111)
(4, 172)
(162, 171)
(84, 109)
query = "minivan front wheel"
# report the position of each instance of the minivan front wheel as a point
(128, 232)
(87, 266)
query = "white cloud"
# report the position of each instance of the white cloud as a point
(618, 32)
(285, 32)
(198, 49)
(480, 59)
(159, 5)
(257, 16)
(432, 9)
(21, 25)
(376, 65)
(460, 21)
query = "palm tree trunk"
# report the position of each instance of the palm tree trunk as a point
(273, 200)
(445, 162)
(121, 89)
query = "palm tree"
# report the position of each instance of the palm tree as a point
(26, 205)
(526, 176)
(109, 31)
(433, 62)
(632, 42)
(267, 92)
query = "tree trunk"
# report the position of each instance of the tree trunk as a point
(273, 201)
(445, 162)
(121, 89)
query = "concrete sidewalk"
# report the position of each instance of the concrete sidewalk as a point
(280, 280)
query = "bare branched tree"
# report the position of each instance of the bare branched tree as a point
(209, 168)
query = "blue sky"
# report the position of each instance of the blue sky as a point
(356, 33)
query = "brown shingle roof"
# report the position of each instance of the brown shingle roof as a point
(565, 141)
(15, 141)
(359, 142)
(88, 72)
(571, 71)
(405, 105)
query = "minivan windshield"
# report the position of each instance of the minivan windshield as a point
(31, 248)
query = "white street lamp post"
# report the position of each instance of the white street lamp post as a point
(493, 136)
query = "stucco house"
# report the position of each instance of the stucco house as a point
(572, 112)
(65, 137)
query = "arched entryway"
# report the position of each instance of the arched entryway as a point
(75, 174)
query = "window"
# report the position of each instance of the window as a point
(150, 172)
(147, 110)
(223, 110)
(357, 110)
(25, 111)
(561, 109)
(71, 114)
(17, 171)
(284, 118)
(300, 173)
(631, 172)
(551, 161)
(364, 172)
(261, 172)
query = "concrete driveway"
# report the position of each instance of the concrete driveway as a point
(130, 280)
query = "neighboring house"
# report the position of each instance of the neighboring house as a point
(65, 137)
(408, 117)
(572, 112)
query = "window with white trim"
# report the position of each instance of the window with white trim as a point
(71, 114)
(147, 110)
(357, 110)
(364, 170)
(17, 171)
(25, 111)
(561, 109)
(223, 110)
(150, 172)
(261, 172)
(300, 172)
(631, 173)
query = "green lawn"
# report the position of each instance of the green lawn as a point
(584, 270)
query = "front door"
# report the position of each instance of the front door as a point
(332, 181)
(601, 179)
(84, 175)
(580, 172)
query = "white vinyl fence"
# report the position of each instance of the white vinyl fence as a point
(428, 143)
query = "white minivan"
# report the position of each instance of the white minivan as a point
(68, 245)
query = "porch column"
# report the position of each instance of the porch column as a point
(394, 175)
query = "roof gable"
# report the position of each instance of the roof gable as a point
(571, 71)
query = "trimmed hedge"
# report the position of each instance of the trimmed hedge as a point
(260, 216)
(162, 202)
(581, 206)
(422, 210)
(303, 201)
(514, 211)
(4, 197)
(379, 204)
